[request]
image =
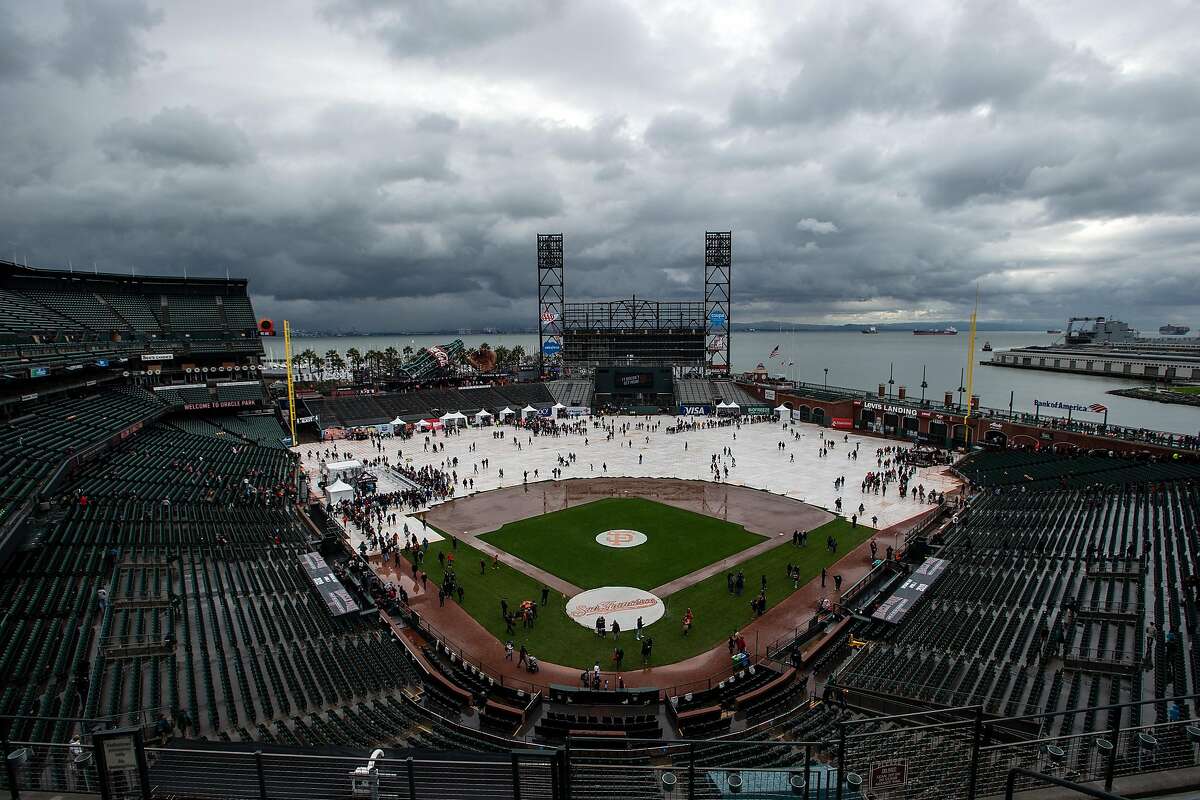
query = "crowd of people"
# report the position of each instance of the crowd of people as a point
(454, 469)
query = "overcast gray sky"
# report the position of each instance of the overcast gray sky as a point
(386, 165)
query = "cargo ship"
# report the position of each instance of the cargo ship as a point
(871, 329)
(1173, 330)
(951, 331)
(987, 347)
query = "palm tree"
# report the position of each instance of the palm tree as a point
(355, 358)
(503, 354)
(518, 355)
(408, 351)
(373, 359)
(335, 360)
(391, 360)
(309, 356)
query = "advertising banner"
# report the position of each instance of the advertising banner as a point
(244, 403)
(337, 599)
(905, 597)
(890, 408)
(1095, 408)
(691, 410)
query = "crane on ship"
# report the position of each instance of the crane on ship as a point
(1071, 337)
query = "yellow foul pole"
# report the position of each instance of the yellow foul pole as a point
(971, 364)
(291, 387)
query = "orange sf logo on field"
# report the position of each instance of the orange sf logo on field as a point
(618, 538)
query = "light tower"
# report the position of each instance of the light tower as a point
(718, 264)
(550, 301)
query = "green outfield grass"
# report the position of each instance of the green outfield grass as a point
(1186, 389)
(557, 639)
(678, 542)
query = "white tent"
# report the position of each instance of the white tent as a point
(453, 418)
(557, 406)
(723, 404)
(484, 417)
(338, 491)
(336, 469)
(398, 423)
(507, 412)
(527, 410)
(781, 409)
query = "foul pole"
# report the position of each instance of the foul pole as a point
(971, 368)
(291, 387)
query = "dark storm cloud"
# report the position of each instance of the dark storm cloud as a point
(677, 130)
(438, 27)
(387, 166)
(428, 167)
(604, 140)
(436, 123)
(177, 136)
(17, 52)
(105, 38)
(877, 59)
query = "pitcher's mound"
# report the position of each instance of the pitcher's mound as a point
(621, 539)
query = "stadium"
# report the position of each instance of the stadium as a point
(617, 570)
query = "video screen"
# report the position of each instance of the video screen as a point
(635, 380)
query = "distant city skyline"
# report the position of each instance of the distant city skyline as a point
(378, 166)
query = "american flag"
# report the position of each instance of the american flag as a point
(1099, 409)
(774, 351)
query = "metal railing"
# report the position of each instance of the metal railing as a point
(947, 753)
(1044, 421)
(226, 774)
(1041, 777)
